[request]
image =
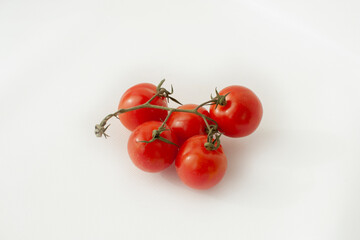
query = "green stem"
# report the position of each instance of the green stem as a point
(205, 103)
(148, 105)
(206, 123)
(166, 119)
(100, 128)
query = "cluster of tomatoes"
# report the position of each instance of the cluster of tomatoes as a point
(188, 135)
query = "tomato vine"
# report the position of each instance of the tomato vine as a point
(213, 138)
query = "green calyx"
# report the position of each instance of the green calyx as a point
(219, 99)
(162, 92)
(213, 138)
(156, 136)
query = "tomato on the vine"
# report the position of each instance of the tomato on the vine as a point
(154, 156)
(137, 95)
(241, 113)
(186, 125)
(199, 167)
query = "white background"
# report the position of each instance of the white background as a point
(65, 64)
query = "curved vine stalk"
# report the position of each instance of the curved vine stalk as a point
(212, 144)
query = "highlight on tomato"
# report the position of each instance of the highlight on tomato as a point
(238, 112)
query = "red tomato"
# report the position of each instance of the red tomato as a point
(241, 114)
(154, 156)
(198, 167)
(186, 125)
(137, 95)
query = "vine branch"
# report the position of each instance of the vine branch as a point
(212, 144)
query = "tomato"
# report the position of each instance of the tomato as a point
(186, 125)
(198, 167)
(241, 114)
(154, 156)
(137, 95)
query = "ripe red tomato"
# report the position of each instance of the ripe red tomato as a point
(186, 125)
(198, 167)
(154, 156)
(137, 95)
(241, 114)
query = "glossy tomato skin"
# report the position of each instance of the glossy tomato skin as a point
(186, 125)
(137, 95)
(242, 113)
(154, 156)
(198, 167)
